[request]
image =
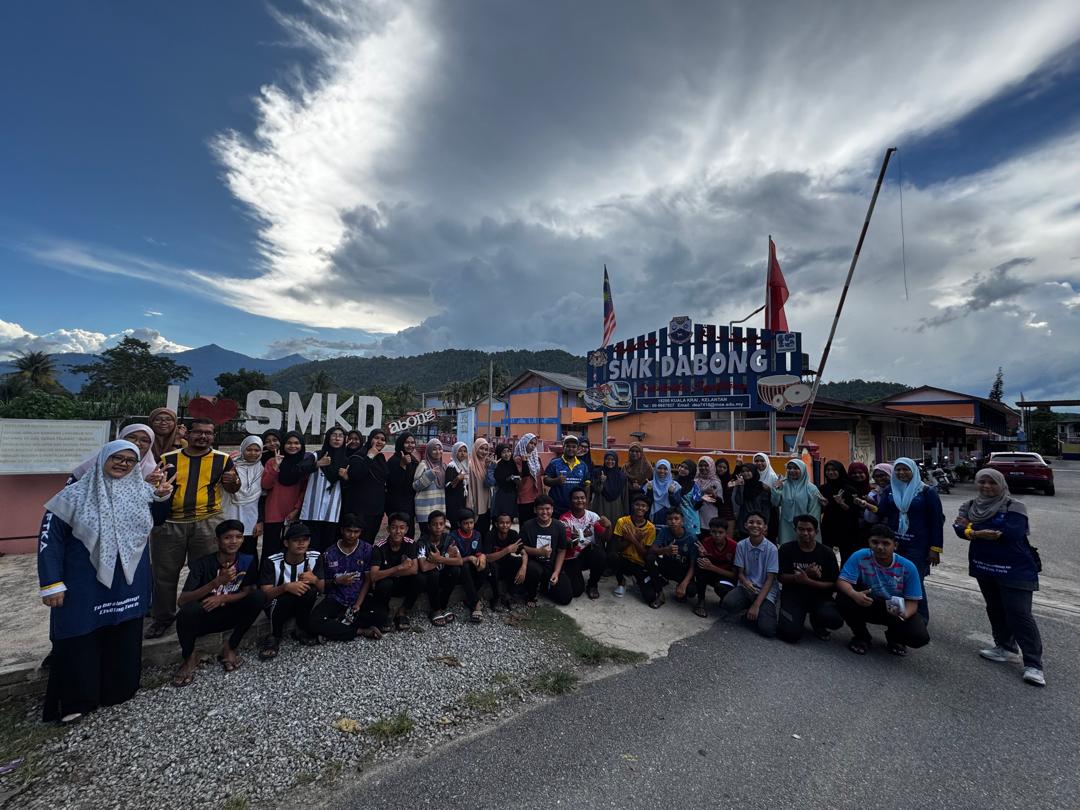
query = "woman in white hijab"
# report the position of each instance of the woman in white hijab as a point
(243, 505)
(94, 573)
(142, 436)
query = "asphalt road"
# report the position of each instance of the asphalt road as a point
(732, 720)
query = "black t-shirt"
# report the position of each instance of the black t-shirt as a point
(537, 536)
(793, 558)
(385, 557)
(427, 544)
(492, 542)
(203, 571)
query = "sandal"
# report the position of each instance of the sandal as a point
(477, 616)
(699, 610)
(230, 666)
(402, 623)
(594, 593)
(657, 602)
(269, 648)
(449, 616)
(532, 603)
(858, 646)
(182, 679)
(369, 632)
(386, 628)
(438, 621)
(897, 649)
(823, 635)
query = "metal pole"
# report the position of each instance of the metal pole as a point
(840, 305)
(491, 398)
(731, 380)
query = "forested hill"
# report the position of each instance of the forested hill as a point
(424, 372)
(860, 390)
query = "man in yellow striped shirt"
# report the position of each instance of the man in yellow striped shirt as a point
(195, 511)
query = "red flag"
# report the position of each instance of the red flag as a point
(776, 293)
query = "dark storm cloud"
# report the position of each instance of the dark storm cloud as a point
(995, 288)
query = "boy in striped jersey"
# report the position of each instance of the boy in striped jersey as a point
(291, 580)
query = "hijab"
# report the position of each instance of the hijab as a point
(339, 456)
(841, 484)
(478, 494)
(725, 477)
(586, 458)
(614, 479)
(269, 454)
(981, 508)
(687, 482)
(640, 470)
(885, 468)
(478, 468)
(433, 456)
(460, 466)
(359, 439)
(795, 496)
(533, 457)
(378, 471)
(753, 488)
(290, 471)
(147, 464)
(709, 479)
(110, 516)
(861, 489)
(904, 494)
(661, 488)
(769, 477)
(399, 449)
(250, 473)
(165, 444)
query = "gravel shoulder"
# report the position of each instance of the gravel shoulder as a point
(302, 726)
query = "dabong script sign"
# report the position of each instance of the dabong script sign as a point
(698, 367)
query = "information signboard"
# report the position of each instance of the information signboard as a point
(43, 446)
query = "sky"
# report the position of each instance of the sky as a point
(330, 177)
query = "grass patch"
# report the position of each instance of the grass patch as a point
(388, 728)
(485, 701)
(237, 802)
(22, 734)
(503, 679)
(554, 682)
(304, 778)
(555, 626)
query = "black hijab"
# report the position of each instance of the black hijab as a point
(830, 487)
(399, 452)
(724, 478)
(375, 469)
(614, 478)
(339, 456)
(290, 472)
(753, 487)
(686, 482)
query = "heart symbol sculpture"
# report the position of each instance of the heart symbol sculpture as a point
(218, 411)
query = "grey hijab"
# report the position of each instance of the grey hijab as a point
(981, 508)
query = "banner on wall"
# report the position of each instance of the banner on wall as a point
(698, 367)
(466, 425)
(44, 446)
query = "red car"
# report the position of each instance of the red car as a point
(1024, 470)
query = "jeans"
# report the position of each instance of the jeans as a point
(192, 621)
(796, 603)
(909, 632)
(171, 546)
(1009, 611)
(739, 600)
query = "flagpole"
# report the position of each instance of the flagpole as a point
(603, 429)
(840, 305)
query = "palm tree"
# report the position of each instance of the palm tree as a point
(456, 393)
(320, 381)
(37, 369)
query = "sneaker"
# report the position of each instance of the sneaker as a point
(620, 590)
(999, 654)
(1034, 676)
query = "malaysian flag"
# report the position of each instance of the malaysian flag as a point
(609, 311)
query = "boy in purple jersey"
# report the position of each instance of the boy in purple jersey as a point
(349, 607)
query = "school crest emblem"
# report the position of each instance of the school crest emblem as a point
(681, 329)
(598, 358)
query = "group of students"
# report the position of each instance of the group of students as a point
(115, 539)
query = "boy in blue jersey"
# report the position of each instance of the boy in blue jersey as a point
(565, 474)
(878, 586)
(219, 595)
(349, 608)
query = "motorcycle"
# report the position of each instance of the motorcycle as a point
(939, 477)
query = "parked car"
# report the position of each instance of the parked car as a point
(1024, 470)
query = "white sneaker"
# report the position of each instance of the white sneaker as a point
(1034, 676)
(620, 590)
(999, 654)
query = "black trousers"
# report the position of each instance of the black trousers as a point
(703, 580)
(500, 575)
(101, 668)
(324, 533)
(371, 525)
(192, 621)
(1009, 612)
(796, 603)
(251, 546)
(428, 582)
(673, 569)
(571, 583)
(537, 574)
(645, 576)
(909, 632)
(287, 607)
(408, 588)
(271, 540)
(464, 575)
(326, 618)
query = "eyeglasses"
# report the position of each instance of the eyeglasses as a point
(200, 433)
(123, 461)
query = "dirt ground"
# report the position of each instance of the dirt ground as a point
(24, 621)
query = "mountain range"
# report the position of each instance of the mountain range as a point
(205, 362)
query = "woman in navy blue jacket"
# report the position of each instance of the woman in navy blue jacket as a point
(94, 573)
(913, 510)
(1004, 564)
